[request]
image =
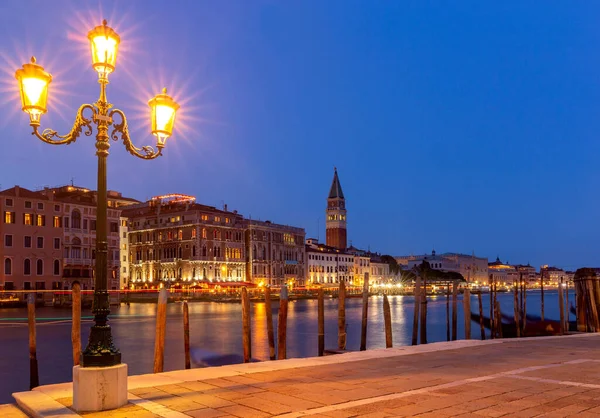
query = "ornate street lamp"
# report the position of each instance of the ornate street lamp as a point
(33, 85)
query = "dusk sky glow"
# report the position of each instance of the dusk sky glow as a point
(460, 126)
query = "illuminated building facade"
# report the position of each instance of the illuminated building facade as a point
(176, 242)
(78, 221)
(335, 216)
(552, 276)
(276, 253)
(31, 241)
(473, 269)
(502, 274)
(327, 265)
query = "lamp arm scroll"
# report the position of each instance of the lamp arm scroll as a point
(121, 129)
(48, 135)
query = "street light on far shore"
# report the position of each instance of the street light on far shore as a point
(33, 86)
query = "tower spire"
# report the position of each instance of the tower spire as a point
(335, 192)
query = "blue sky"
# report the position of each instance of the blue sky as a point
(464, 126)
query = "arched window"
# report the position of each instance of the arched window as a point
(180, 255)
(7, 266)
(204, 233)
(56, 267)
(193, 251)
(215, 234)
(39, 267)
(194, 233)
(204, 251)
(180, 234)
(204, 273)
(27, 267)
(75, 219)
(215, 251)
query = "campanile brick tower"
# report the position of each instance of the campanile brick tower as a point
(336, 215)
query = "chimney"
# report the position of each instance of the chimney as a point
(225, 207)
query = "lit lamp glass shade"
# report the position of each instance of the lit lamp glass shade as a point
(163, 109)
(104, 42)
(33, 85)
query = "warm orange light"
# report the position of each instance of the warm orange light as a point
(33, 85)
(104, 43)
(163, 109)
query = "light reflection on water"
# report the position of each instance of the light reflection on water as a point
(217, 327)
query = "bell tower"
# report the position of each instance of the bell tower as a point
(335, 215)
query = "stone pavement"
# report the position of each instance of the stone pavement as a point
(545, 376)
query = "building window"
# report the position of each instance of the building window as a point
(40, 206)
(57, 243)
(66, 222)
(27, 267)
(93, 225)
(9, 202)
(180, 234)
(40, 242)
(40, 220)
(76, 219)
(204, 233)
(9, 217)
(8, 239)
(194, 233)
(204, 217)
(217, 219)
(27, 219)
(39, 267)
(27, 242)
(56, 208)
(114, 227)
(56, 222)
(85, 224)
(7, 266)
(204, 251)
(27, 205)
(56, 268)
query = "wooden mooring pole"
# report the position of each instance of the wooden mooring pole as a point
(524, 328)
(423, 336)
(270, 331)
(448, 312)
(76, 324)
(246, 338)
(186, 334)
(159, 339)
(34, 380)
(454, 309)
(498, 320)
(387, 319)
(481, 326)
(365, 313)
(417, 293)
(516, 308)
(342, 316)
(467, 312)
(561, 307)
(492, 316)
(321, 321)
(282, 323)
(542, 288)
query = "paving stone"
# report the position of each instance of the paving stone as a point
(11, 411)
(244, 412)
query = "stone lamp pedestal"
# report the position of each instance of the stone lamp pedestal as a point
(99, 388)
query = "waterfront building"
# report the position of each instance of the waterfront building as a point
(380, 272)
(473, 269)
(176, 242)
(502, 274)
(32, 235)
(552, 276)
(78, 220)
(527, 273)
(335, 216)
(328, 265)
(276, 253)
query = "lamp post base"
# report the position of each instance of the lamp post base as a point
(99, 388)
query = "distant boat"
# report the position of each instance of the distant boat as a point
(534, 327)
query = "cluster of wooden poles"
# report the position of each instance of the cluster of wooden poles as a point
(588, 303)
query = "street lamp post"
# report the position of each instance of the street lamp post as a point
(33, 85)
